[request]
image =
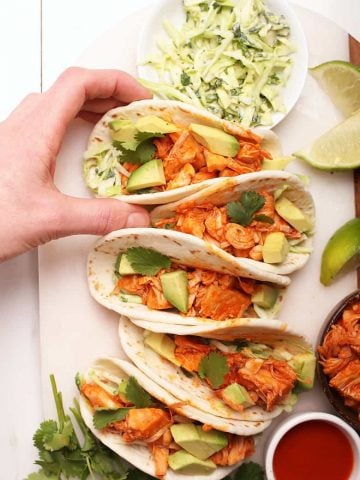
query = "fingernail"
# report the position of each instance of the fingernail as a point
(138, 220)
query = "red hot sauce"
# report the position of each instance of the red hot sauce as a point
(314, 450)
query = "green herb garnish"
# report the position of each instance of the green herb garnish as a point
(61, 455)
(103, 418)
(242, 211)
(136, 394)
(147, 261)
(213, 367)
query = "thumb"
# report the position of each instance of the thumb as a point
(97, 216)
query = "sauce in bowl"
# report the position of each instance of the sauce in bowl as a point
(315, 449)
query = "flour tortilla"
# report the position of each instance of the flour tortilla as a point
(180, 114)
(181, 248)
(230, 189)
(191, 389)
(138, 454)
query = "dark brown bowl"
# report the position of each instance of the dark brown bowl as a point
(346, 413)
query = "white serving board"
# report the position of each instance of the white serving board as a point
(75, 330)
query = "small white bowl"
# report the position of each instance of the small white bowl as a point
(152, 32)
(294, 420)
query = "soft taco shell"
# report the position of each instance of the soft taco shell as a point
(138, 454)
(185, 388)
(181, 248)
(181, 114)
(230, 189)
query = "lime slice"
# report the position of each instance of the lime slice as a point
(343, 246)
(337, 149)
(341, 81)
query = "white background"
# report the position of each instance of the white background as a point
(37, 41)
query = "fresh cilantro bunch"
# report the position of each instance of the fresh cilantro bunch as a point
(62, 456)
(243, 211)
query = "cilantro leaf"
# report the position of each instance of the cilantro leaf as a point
(185, 79)
(143, 153)
(252, 201)
(264, 218)
(136, 394)
(135, 474)
(250, 471)
(102, 418)
(213, 367)
(243, 210)
(238, 214)
(41, 475)
(147, 261)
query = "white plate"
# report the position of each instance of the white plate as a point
(173, 11)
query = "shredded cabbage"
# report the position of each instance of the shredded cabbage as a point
(231, 57)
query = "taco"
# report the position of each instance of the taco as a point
(154, 152)
(244, 378)
(268, 218)
(149, 428)
(170, 277)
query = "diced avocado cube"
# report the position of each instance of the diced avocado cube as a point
(163, 345)
(184, 462)
(151, 174)
(175, 289)
(304, 365)
(215, 140)
(128, 298)
(125, 267)
(265, 296)
(194, 440)
(292, 214)
(125, 134)
(122, 390)
(278, 163)
(154, 124)
(275, 248)
(119, 123)
(237, 394)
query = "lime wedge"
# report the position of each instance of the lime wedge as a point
(343, 246)
(341, 81)
(336, 149)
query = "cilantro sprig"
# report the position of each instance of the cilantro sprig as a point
(139, 150)
(147, 261)
(136, 394)
(103, 418)
(63, 456)
(243, 211)
(248, 471)
(213, 367)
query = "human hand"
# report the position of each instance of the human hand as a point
(33, 210)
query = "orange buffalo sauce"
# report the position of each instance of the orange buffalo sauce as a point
(313, 450)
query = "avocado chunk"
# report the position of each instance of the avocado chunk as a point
(275, 248)
(278, 163)
(151, 174)
(163, 345)
(175, 289)
(154, 124)
(215, 140)
(292, 214)
(237, 394)
(122, 390)
(304, 365)
(123, 266)
(120, 123)
(194, 440)
(265, 296)
(184, 462)
(128, 298)
(123, 131)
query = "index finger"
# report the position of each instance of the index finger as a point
(75, 86)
